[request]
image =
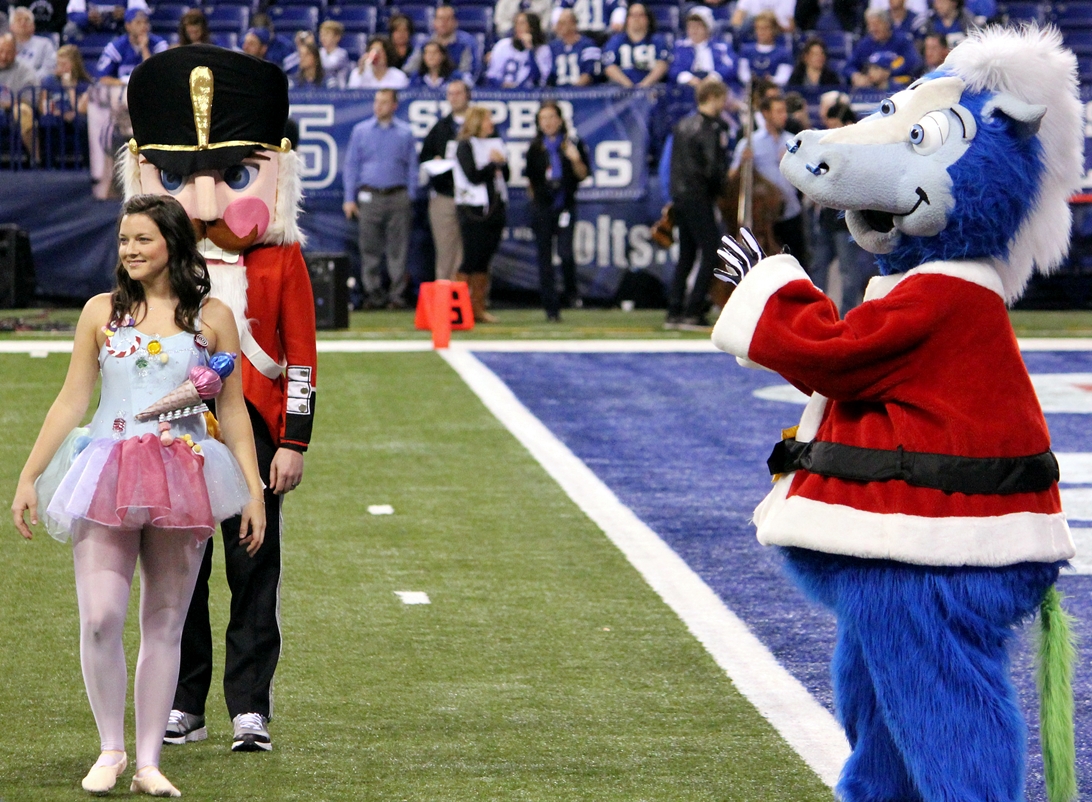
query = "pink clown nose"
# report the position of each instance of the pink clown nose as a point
(243, 215)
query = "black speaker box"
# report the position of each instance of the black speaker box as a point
(330, 283)
(16, 268)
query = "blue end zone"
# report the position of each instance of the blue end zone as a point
(682, 441)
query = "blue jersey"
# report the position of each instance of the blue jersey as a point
(635, 59)
(595, 15)
(119, 57)
(569, 62)
(765, 61)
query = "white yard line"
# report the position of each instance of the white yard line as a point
(805, 724)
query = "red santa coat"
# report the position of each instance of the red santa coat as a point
(930, 363)
(281, 310)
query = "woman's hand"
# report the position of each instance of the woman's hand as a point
(252, 527)
(26, 499)
(497, 157)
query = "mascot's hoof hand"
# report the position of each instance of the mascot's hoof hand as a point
(738, 257)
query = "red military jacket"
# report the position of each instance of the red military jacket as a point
(281, 310)
(930, 365)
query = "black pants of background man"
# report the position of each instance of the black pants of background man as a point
(790, 233)
(254, 632)
(698, 231)
(546, 222)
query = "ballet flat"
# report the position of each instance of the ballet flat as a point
(101, 779)
(149, 780)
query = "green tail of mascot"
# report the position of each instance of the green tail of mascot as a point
(1057, 654)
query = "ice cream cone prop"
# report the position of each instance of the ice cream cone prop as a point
(184, 400)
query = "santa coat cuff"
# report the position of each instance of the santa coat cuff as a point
(737, 322)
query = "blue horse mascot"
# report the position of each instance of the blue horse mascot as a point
(918, 496)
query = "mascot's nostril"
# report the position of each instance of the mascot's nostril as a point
(795, 146)
(822, 168)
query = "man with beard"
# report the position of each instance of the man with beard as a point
(208, 127)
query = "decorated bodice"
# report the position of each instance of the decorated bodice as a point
(137, 370)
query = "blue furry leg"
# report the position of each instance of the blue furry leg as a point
(921, 675)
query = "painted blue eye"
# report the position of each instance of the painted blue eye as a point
(240, 176)
(172, 182)
(887, 108)
(917, 135)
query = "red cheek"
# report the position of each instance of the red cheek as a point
(243, 215)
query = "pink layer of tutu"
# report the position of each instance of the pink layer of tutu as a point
(138, 481)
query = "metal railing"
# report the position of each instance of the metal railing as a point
(42, 129)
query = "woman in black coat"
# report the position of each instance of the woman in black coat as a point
(556, 164)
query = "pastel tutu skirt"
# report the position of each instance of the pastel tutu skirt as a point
(139, 482)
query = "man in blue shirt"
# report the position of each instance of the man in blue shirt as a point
(380, 178)
(128, 51)
(905, 61)
(574, 57)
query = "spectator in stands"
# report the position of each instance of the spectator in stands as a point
(747, 12)
(950, 19)
(437, 68)
(696, 56)
(404, 55)
(90, 17)
(481, 197)
(461, 46)
(556, 164)
(904, 19)
(768, 145)
(934, 49)
(440, 145)
(879, 71)
(799, 117)
(62, 105)
(256, 42)
(193, 28)
(50, 16)
(373, 71)
(37, 52)
(15, 77)
(523, 60)
(335, 59)
(310, 73)
(905, 63)
(504, 14)
(597, 19)
(129, 50)
(698, 173)
(767, 56)
(637, 56)
(574, 57)
(380, 178)
(829, 100)
(809, 14)
(280, 50)
(812, 68)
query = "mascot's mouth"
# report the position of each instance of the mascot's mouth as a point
(882, 222)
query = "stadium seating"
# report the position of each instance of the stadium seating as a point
(1080, 42)
(1068, 16)
(667, 18)
(91, 46)
(1021, 12)
(839, 44)
(421, 15)
(230, 40)
(473, 19)
(294, 18)
(165, 16)
(356, 19)
(319, 4)
(227, 19)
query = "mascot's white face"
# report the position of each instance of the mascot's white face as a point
(233, 208)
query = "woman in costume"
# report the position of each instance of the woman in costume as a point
(145, 478)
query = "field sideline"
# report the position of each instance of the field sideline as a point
(544, 668)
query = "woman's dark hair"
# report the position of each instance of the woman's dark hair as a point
(388, 48)
(186, 268)
(808, 45)
(193, 17)
(538, 38)
(550, 104)
(842, 112)
(400, 19)
(447, 66)
(320, 73)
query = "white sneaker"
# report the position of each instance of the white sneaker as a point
(184, 728)
(250, 733)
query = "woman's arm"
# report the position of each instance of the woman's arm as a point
(465, 154)
(222, 335)
(67, 410)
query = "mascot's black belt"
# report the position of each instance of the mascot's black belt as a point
(970, 475)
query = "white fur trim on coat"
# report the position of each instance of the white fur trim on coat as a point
(738, 320)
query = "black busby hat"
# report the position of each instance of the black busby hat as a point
(202, 107)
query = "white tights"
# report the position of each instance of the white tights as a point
(105, 559)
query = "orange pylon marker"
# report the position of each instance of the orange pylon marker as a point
(443, 306)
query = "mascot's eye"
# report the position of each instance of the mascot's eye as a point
(887, 108)
(172, 182)
(929, 134)
(240, 176)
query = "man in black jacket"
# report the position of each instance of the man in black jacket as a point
(440, 144)
(699, 168)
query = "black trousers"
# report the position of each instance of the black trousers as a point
(481, 237)
(254, 631)
(791, 233)
(698, 231)
(545, 220)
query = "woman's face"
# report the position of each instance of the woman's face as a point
(637, 21)
(400, 34)
(378, 55)
(307, 58)
(815, 58)
(549, 121)
(521, 28)
(64, 65)
(487, 127)
(696, 30)
(434, 57)
(764, 32)
(142, 248)
(193, 32)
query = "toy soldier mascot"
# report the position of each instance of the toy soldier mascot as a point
(208, 129)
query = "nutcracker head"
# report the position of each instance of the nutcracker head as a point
(208, 129)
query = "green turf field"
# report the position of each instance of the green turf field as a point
(544, 669)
